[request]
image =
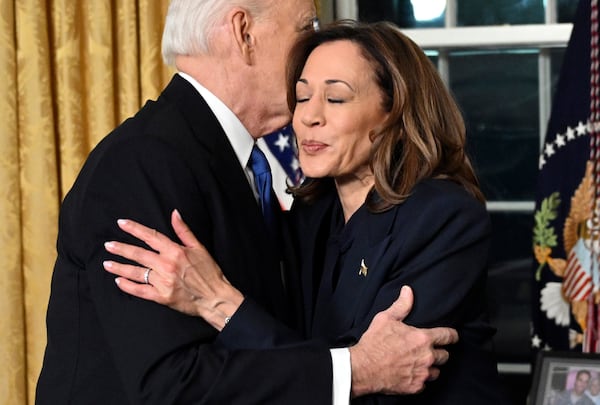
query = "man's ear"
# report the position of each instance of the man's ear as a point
(241, 23)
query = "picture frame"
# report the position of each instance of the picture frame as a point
(555, 372)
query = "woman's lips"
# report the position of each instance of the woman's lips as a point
(313, 146)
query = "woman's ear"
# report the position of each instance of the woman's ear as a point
(241, 23)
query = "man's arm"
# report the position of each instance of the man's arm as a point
(163, 356)
(392, 357)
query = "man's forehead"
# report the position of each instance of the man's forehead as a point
(300, 9)
(307, 18)
(296, 14)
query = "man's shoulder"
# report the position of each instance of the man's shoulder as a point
(159, 125)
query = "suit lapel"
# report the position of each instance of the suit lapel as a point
(223, 161)
(352, 296)
(312, 233)
(383, 234)
(256, 267)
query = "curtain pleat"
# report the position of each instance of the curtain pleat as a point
(127, 59)
(70, 72)
(71, 136)
(38, 173)
(12, 320)
(98, 73)
(154, 74)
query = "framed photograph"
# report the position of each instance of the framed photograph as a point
(563, 377)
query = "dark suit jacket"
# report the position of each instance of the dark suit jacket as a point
(105, 347)
(436, 242)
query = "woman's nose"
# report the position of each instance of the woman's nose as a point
(312, 113)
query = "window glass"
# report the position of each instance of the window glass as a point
(556, 60)
(566, 11)
(433, 56)
(404, 13)
(498, 94)
(499, 12)
(431, 13)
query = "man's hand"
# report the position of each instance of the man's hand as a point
(394, 358)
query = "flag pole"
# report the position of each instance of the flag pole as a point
(591, 341)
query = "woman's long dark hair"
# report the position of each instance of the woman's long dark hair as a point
(424, 134)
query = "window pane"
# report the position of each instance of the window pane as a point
(431, 13)
(404, 13)
(566, 11)
(433, 56)
(557, 56)
(498, 94)
(498, 12)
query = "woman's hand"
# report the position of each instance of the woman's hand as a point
(183, 277)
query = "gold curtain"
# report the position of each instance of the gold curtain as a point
(70, 71)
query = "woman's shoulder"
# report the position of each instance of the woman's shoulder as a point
(436, 192)
(435, 202)
(441, 185)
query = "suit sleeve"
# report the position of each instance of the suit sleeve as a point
(251, 327)
(165, 357)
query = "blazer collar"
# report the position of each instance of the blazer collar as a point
(347, 304)
(221, 157)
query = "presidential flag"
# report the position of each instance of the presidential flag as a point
(565, 234)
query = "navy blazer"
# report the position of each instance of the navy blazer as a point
(106, 347)
(436, 242)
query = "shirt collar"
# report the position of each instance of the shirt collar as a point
(240, 139)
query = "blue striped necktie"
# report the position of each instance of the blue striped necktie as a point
(264, 185)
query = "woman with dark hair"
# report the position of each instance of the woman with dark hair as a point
(390, 200)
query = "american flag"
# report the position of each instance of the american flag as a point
(577, 282)
(565, 242)
(281, 152)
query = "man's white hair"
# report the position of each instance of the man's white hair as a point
(190, 24)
